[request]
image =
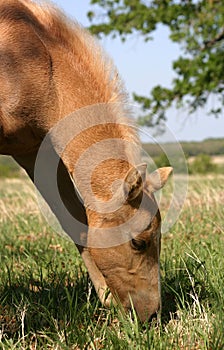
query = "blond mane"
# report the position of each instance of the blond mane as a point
(58, 29)
(79, 73)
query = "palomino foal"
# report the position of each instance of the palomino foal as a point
(51, 68)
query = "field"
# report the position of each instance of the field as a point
(218, 160)
(48, 302)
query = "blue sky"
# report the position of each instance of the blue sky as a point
(143, 65)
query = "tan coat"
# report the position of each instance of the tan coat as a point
(51, 68)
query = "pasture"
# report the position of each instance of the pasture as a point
(47, 300)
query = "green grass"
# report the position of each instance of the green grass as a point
(9, 168)
(47, 300)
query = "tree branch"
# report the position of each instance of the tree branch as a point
(210, 43)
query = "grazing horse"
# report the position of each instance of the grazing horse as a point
(64, 119)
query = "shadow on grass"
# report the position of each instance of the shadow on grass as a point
(43, 306)
(182, 285)
(58, 306)
(57, 303)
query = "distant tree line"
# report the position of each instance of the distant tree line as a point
(209, 146)
(202, 151)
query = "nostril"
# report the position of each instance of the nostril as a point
(153, 317)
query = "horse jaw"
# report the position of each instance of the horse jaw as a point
(98, 280)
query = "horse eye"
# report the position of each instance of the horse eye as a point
(149, 225)
(138, 244)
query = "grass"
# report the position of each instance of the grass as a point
(47, 300)
(9, 168)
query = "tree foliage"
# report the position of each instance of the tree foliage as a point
(202, 164)
(197, 25)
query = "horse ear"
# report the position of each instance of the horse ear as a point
(156, 180)
(133, 182)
